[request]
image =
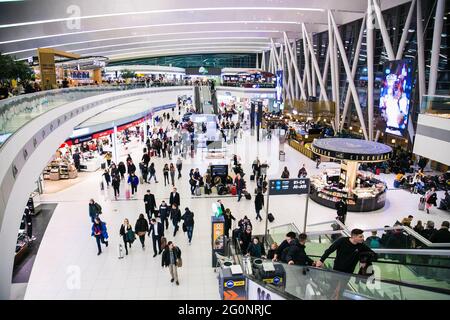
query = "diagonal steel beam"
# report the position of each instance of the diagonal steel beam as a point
(349, 74)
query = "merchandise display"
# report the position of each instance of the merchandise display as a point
(360, 189)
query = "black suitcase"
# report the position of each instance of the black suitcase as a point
(270, 217)
(248, 196)
(103, 166)
(252, 177)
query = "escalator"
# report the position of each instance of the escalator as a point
(400, 274)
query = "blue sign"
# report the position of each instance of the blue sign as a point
(276, 280)
(230, 284)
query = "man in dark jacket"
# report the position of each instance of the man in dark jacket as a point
(164, 213)
(141, 228)
(174, 198)
(245, 239)
(94, 210)
(157, 231)
(290, 236)
(296, 252)
(442, 235)
(259, 203)
(76, 160)
(169, 259)
(348, 251)
(341, 207)
(228, 221)
(150, 204)
(188, 218)
(175, 216)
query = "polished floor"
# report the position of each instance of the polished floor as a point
(67, 265)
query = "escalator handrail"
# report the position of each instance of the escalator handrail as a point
(406, 264)
(387, 281)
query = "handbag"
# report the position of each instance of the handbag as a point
(141, 233)
(179, 262)
(184, 227)
(131, 236)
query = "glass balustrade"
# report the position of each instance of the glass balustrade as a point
(17, 111)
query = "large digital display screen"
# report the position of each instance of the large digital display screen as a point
(279, 86)
(395, 95)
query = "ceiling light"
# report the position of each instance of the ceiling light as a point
(146, 35)
(149, 26)
(159, 11)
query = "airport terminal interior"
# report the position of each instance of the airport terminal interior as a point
(225, 150)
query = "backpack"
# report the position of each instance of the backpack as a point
(98, 207)
(374, 243)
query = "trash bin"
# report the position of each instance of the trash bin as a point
(282, 155)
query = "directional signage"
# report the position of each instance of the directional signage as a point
(288, 186)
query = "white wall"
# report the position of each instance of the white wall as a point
(433, 138)
(48, 134)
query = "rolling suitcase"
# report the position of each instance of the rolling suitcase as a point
(233, 190)
(270, 217)
(198, 192)
(247, 195)
(252, 177)
(128, 194)
(120, 251)
(102, 185)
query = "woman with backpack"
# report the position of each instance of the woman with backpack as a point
(133, 180)
(188, 225)
(141, 228)
(122, 169)
(100, 233)
(127, 234)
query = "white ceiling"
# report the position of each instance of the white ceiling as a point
(141, 28)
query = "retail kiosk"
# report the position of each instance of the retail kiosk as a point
(361, 189)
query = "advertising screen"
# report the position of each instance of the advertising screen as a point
(395, 95)
(258, 292)
(279, 86)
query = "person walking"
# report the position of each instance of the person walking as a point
(150, 204)
(188, 223)
(172, 174)
(174, 197)
(152, 172)
(302, 172)
(133, 180)
(141, 228)
(107, 177)
(296, 254)
(164, 213)
(157, 231)
(127, 234)
(166, 174)
(430, 199)
(285, 173)
(94, 210)
(442, 235)
(341, 207)
(122, 169)
(116, 185)
(228, 221)
(179, 165)
(131, 168)
(175, 216)
(259, 203)
(239, 182)
(100, 233)
(172, 258)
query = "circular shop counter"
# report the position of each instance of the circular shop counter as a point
(329, 196)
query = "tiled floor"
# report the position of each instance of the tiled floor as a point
(67, 265)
